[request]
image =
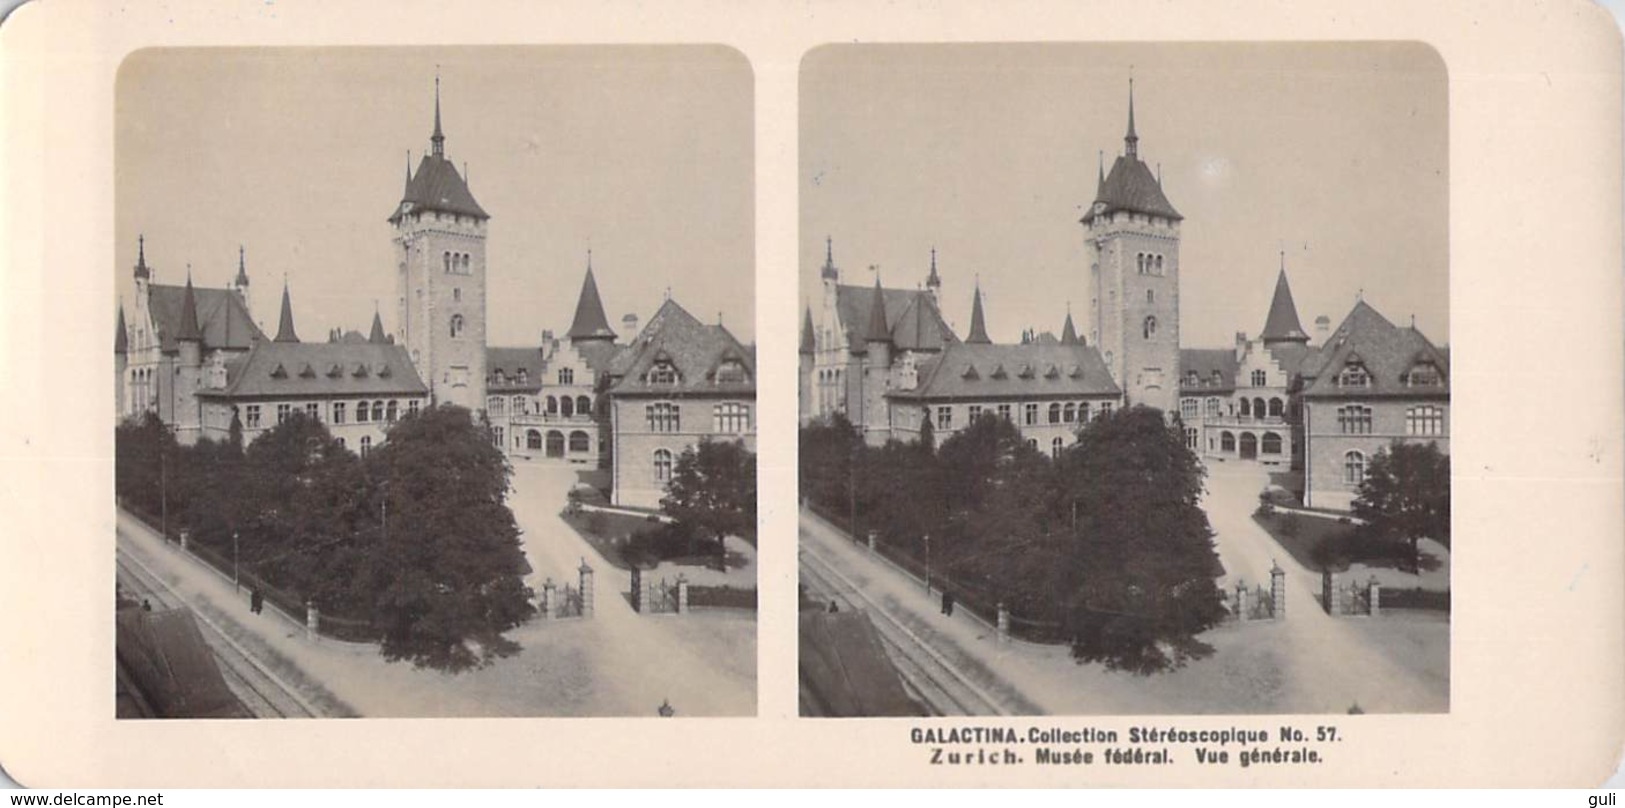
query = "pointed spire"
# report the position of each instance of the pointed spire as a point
(141, 270)
(933, 281)
(808, 342)
(1100, 184)
(242, 267)
(377, 336)
(1069, 333)
(407, 191)
(590, 322)
(438, 138)
(1131, 141)
(878, 332)
(284, 329)
(121, 338)
(830, 273)
(978, 325)
(188, 329)
(1282, 324)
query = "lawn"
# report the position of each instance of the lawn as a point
(1313, 539)
(1308, 535)
(610, 533)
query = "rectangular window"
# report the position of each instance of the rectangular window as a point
(283, 411)
(1424, 421)
(1029, 414)
(314, 410)
(412, 406)
(1354, 420)
(664, 416)
(1004, 411)
(975, 413)
(251, 416)
(496, 437)
(1187, 407)
(945, 418)
(731, 417)
(1105, 409)
(338, 412)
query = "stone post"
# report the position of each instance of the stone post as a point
(1328, 586)
(1241, 600)
(186, 543)
(1376, 597)
(638, 600)
(682, 593)
(550, 599)
(1277, 590)
(586, 589)
(871, 542)
(1003, 622)
(313, 620)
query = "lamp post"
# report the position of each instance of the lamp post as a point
(928, 564)
(234, 557)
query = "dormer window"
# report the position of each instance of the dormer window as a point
(1423, 374)
(731, 371)
(500, 377)
(1354, 375)
(524, 376)
(1192, 379)
(663, 373)
(1218, 378)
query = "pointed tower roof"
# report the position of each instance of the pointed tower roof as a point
(141, 270)
(121, 338)
(1131, 141)
(439, 138)
(978, 328)
(284, 329)
(188, 328)
(242, 267)
(436, 185)
(878, 332)
(808, 343)
(1069, 334)
(590, 322)
(408, 188)
(933, 280)
(1282, 325)
(830, 273)
(1131, 186)
(377, 336)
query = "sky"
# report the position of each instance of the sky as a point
(642, 154)
(1335, 154)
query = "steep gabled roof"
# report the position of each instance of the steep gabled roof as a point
(510, 361)
(1069, 334)
(972, 370)
(275, 370)
(913, 319)
(224, 321)
(1387, 352)
(590, 322)
(694, 350)
(1131, 187)
(1205, 362)
(377, 337)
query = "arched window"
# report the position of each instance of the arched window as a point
(1354, 468)
(1150, 327)
(1271, 444)
(392, 411)
(533, 439)
(1246, 408)
(1227, 441)
(361, 412)
(567, 376)
(456, 326)
(1055, 413)
(1258, 407)
(377, 410)
(580, 442)
(1159, 265)
(567, 406)
(662, 466)
(1139, 263)
(583, 406)
(1055, 447)
(555, 443)
(366, 444)
(1277, 407)
(447, 258)
(1260, 378)
(1083, 413)
(552, 405)
(1069, 413)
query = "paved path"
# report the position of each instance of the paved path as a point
(1333, 662)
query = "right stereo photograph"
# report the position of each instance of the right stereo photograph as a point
(1124, 376)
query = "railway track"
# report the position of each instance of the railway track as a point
(931, 678)
(260, 690)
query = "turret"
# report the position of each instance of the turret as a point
(377, 336)
(933, 281)
(284, 329)
(1069, 333)
(121, 362)
(590, 324)
(239, 284)
(978, 326)
(1282, 324)
(877, 336)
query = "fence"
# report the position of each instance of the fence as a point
(1346, 598)
(979, 599)
(1257, 603)
(556, 602)
(723, 597)
(294, 606)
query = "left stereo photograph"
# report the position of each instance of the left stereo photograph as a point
(436, 382)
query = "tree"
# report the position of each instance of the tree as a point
(827, 449)
(1140, 565)
(928, 433)
(713, 492)
(446, 578)
(1406, 496)
(143, 448)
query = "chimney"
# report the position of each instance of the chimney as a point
(1241, 345)
(1323, 326)
(547, 336)
(629, 326)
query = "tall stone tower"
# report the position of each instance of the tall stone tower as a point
(440, 263)
(1131, 235)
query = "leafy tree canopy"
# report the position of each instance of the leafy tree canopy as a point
(1406, 495)
(713, 491)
